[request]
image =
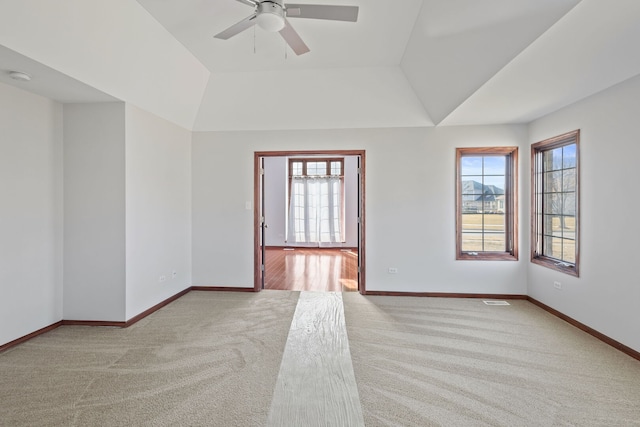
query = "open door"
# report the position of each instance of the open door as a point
(259, 210)
(263, 225)
(361, 234)
(258, 214)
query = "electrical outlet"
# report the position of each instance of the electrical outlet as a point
(393, 270)
(163, 278)
(557, 285)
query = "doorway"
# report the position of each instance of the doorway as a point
(326, 263)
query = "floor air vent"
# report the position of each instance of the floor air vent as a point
(496, 302)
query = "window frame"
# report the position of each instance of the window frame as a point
(511, 204)
(537, 151)
(329, 160)
(307, 160)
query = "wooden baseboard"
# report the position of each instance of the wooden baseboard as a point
(602, 337)
(221, 289)
(131, 321)
(445, 295)
(156, 307)
(93, 323)
(27, 337)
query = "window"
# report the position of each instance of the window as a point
(316, 205)
(316, 167)
(555, 220)
(486, 213)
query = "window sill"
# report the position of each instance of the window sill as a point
(483, 256)
(556, 265)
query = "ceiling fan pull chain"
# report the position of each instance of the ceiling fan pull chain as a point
(254, 39)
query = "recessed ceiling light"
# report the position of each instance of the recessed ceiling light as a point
(20, 76)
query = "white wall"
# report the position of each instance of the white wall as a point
(158, 210)
(275, 189)
(410, 206)
(94, 211)
(30, 213)
(605, 296)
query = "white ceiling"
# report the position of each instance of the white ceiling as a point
(47, 81)
(592, 48)
(458, 45)
(377, 39)
(404, 63)
(113, 46)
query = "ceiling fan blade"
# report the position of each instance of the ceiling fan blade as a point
(318, 11)
(248, 22)
(293, 39)
(248, 2)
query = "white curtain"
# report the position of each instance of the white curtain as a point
(315, 210)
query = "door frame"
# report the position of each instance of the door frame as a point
(258, 179)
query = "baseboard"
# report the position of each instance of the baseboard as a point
(221, 289)
(94, 323)
(444, 295)
(131, 321)
(27, 337)
(156, 307)
(602, 337)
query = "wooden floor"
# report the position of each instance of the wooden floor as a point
(311, 269)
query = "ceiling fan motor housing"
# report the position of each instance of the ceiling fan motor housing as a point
(270, 15)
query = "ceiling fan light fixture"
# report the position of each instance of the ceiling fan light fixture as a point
(270, 22)
(270, 16)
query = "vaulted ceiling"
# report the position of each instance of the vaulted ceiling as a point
(404, 63)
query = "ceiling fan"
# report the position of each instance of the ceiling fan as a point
(271, 15)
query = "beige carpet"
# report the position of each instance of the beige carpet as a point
(207, 359)
(212, 359)
(459, 362)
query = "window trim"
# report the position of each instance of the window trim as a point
(341, 176)
(305, 160)
(537, 149)
(511, 203)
